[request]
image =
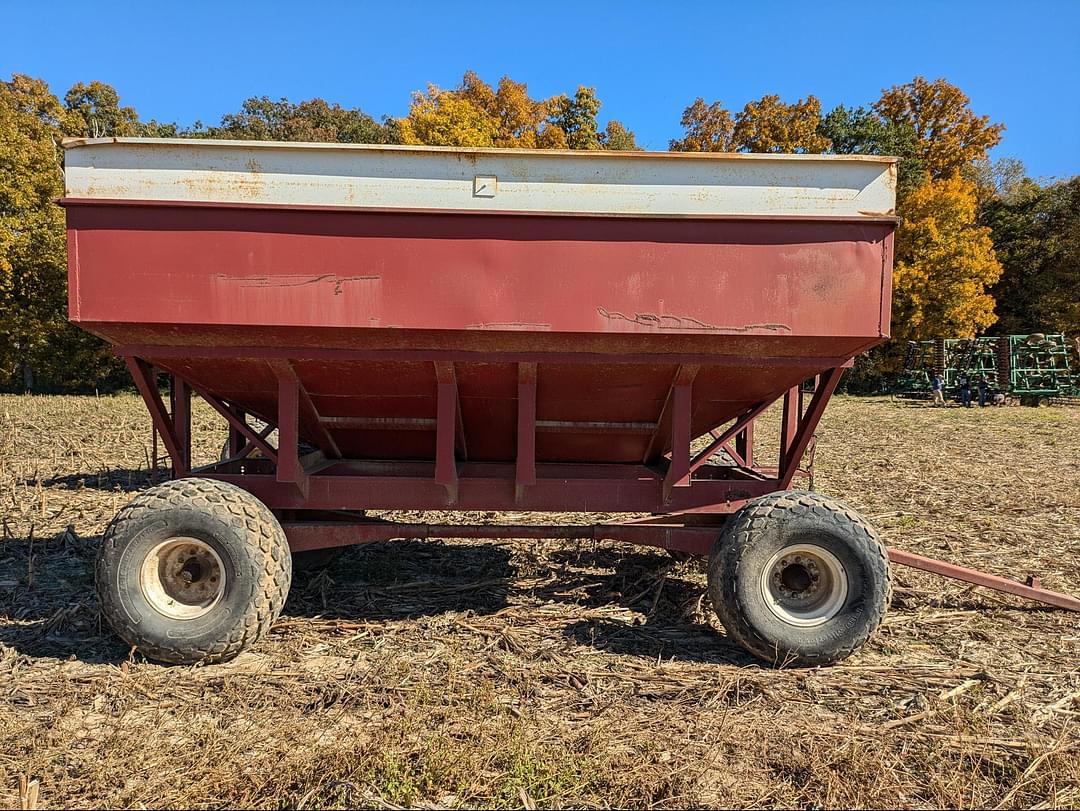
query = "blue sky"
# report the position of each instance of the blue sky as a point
(1019, 61)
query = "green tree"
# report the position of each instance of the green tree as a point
(262, 119)
(859, 131)
(1036, 234)
(576, 117)
(617, 137)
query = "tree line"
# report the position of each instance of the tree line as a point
(981, 247)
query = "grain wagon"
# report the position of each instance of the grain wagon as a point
(484, 330)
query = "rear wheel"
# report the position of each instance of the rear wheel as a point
(193, 570)
(799, 578)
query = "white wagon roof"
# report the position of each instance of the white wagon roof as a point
(519, 181)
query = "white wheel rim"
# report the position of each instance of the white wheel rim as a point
(182, 578)
(804, 585)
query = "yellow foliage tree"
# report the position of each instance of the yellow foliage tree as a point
(770, 125)
(36, 340)
(32, 248)
(950, 136)
(766, 125)
(944, 264)
(476, 114)
(519, 119)
(446, 118)
(709, 128)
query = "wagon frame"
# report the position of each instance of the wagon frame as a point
(688, 509)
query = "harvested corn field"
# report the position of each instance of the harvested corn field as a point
(556, 674)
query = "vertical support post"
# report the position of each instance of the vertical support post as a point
(744, 444)
(289, 469)
(307, 412)
(789, 425)
(446, 429)
(180, 396)
(807, 425)
(678, 474)
(525, 472)
(236, 439)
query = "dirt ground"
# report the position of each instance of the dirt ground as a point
(547, 674)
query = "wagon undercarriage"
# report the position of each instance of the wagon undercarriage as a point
(320, 496)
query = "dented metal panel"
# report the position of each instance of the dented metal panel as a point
(494, 181)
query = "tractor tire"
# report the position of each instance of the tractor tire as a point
(193, 571)
(798, 578)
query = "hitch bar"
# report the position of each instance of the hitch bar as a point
(1032, 590)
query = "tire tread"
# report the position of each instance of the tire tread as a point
(270, 567)
(728, 558)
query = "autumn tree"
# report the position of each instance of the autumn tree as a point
(520, 121)
(770, 125)
(709, 128)
(263, 119)
(766, 125)
(445, 118)
(945, 264)
(950, 135)
(94, 110)
(617, 137)
(31, 227)
(476, 114)
(36, 341)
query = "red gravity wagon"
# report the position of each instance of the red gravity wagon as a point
(462, 329)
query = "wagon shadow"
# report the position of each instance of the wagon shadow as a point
(47, 604)
(660, 639)
(409, 579)
(48, 608)
(401, 579)
(127, 480)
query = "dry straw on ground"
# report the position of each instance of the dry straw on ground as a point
(543, 674)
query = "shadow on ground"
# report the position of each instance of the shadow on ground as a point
(127, 480)
(48, 607)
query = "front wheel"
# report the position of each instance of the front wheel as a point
(193, 570)
(798, 578)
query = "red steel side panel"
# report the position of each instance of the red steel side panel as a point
(477, 272)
